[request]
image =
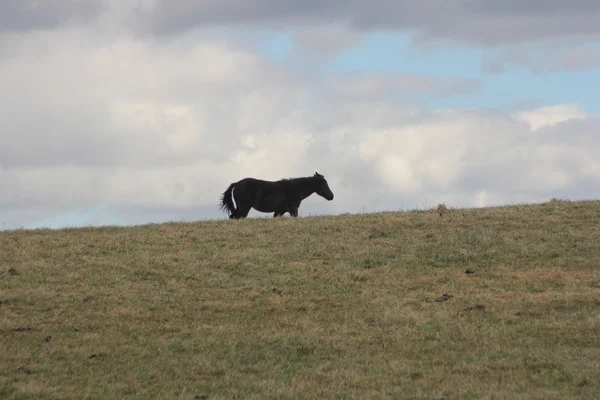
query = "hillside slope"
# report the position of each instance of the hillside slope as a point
(500, 301)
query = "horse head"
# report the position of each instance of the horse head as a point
(323, 189)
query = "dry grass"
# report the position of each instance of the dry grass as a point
(352, 306)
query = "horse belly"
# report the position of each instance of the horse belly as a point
(263, 208)
(271, 202)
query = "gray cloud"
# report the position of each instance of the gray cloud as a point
(581, 58)
(323, 41)
(487, 22)
(25, 15)
(544, 60)
(482, 22)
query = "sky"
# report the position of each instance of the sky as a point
(123, 112)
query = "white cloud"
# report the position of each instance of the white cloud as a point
(488, 157)
(551, 115)
(122, 101)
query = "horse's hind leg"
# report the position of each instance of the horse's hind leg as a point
(240, 212)
(243, 204)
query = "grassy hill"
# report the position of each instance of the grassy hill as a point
(485, 303)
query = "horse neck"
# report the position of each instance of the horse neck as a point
(306, 188)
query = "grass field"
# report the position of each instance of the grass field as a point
(496, 303)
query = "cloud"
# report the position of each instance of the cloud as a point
(581, 58)
(25, 15)
(551, 115)
(325, 41)
(477, 158)
(155, 105)
(366, 85)
(485, 22)
(543, 60)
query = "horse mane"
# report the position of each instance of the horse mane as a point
(302, 179)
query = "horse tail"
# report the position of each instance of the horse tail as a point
(227, 200)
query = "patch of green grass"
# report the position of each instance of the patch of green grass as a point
(352, 306)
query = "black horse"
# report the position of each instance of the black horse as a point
(277, 197)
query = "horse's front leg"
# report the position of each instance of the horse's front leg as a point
(279, 204)
(293, 209)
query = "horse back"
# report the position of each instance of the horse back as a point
(253, 185)
(258, 183)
